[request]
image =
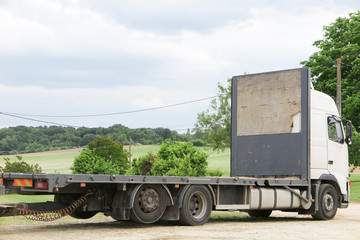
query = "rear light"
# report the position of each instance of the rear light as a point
(1, 181)
(41, 185)
(349, 183)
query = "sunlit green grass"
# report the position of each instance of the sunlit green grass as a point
(50, 162)
(219, 160)
(16, 198)
(61, 161)
(355, 188)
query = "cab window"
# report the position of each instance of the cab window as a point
(335, 131)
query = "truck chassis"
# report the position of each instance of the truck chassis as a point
(146, 199)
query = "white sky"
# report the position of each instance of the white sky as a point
(89, 57)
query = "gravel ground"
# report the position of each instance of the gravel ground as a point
(346, 225)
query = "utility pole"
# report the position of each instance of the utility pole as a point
(338, 85)
(130, 149)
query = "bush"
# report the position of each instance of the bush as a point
(89, 163)
(173, 159)
(198, 143)
(103, 156)
(19, 166)
(142, 165)
(179, 159)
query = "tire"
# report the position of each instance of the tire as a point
(328, 202)
(197, 206)
(149, 204)
(260, 213)
(83, 215)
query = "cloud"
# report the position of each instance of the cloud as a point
(77, 101)
(92, 57)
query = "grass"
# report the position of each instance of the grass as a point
(61, 161)
(219, 160)
(50, 162)
(16, 198)
(355, 188)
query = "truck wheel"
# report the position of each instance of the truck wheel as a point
(83, 215)
(149, 204)
(328, 202)
(260, 213)
(197, 206)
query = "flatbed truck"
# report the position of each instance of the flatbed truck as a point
(289, 152)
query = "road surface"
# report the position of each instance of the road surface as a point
(346, 225)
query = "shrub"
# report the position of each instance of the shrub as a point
(89, 163)
(173, 159)
(142, 165)
(103, 156)
(198, 143)
(179, 159)
(19, 166)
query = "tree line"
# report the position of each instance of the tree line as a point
(23, 139)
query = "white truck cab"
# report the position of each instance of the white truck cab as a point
(329, 146)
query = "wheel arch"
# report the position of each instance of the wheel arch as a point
(331, 179)
(135, 189)
(123, 201)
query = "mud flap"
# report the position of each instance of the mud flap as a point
(2, 189)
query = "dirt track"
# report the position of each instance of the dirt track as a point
(346, 225)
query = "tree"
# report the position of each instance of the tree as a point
(354, 150)
(341, 40)
(215, 123)
(103, 156)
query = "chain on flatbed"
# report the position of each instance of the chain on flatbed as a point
(52, 215)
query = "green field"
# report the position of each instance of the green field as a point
(61, 161)
(355, 188)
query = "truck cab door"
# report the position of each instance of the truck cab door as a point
(338, 163)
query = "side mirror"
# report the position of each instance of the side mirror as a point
(348, 139)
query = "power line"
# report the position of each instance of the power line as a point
(37, 120)
(104, 114)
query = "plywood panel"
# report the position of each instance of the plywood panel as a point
(269, 103)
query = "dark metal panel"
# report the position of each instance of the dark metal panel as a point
(269, 155)
(273, 155)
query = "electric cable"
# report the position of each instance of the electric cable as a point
(106, 114)
(37, 120)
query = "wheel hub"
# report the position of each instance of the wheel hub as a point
(194, 205)
(197, 205)
(328, 202)
(149, 200)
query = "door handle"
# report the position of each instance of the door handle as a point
(331, 162)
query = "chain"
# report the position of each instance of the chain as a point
(47, 216)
